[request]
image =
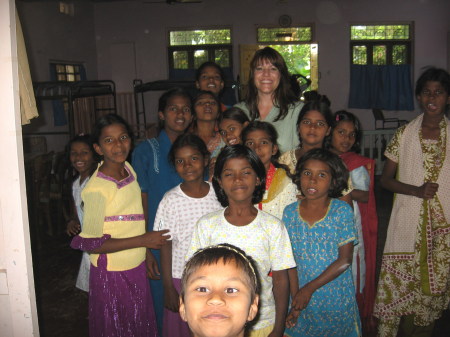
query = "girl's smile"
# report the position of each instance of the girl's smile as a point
(231, 130)
(238, 180)
(190, 164)
(177, 114)
(343, 137)
(210, 80)
(114, 143)
(82, 158)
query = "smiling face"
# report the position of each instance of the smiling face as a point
(206, 108)
(177, 115)
(343, 137)
(266, 77)
(81, 158)
(260, 142)
(114, 144)
(238, 181)
(190, 164)
(217, 301)
(210, 80)
(231, 130)
(433, 98)
(313, 129)
(315, 179)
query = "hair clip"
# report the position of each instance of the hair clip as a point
(337, 118)
(81, 134)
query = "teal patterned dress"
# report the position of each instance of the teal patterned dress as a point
(332, 310)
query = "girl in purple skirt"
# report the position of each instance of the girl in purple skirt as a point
(113, 233)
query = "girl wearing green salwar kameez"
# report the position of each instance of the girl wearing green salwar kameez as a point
(414, 285)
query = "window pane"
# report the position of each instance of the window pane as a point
(60, 68)
(200, 37)
(69, 69)
(399, 54)
(77, 77)
(380, 32)
(379, 55)
(292, 34)
(70, 77)
(359, 55)
(61, 77)
(180, 60)
(297, 57)
(222, 57)
(200, 56)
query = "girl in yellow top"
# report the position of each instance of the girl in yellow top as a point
(114, 235)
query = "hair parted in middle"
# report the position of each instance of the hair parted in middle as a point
(283, 96)
(339, 173)
(322, 105)
(239, 151)
(188, 139)
(226, 253)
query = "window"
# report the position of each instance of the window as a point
(188, 49)
(381, 44)
(64, 71)
(296, 47)
(381, 67)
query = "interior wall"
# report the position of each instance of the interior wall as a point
(146, 25)
(50, 35)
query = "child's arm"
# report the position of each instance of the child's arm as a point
(388, 181)
(360, 196)
(280, 280)
(73, 223)
(171, 297)
(154, 240)
(293, 281)
(335, 269)
(152, 266)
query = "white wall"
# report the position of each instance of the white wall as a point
(18, 316)
(146, 26)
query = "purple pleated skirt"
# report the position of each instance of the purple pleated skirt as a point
(120, 302)
(173, 324)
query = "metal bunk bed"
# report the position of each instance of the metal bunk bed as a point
(74, 90)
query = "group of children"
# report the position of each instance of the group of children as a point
(238, 238)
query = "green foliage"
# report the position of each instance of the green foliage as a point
(380, 32)
(199, 37)
(297, 57)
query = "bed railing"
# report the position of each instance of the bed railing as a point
(373, 144)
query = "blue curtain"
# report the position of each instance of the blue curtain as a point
(59, 115)
(384, 87)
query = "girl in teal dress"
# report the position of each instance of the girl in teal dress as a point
(322, 234)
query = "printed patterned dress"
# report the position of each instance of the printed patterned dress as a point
(332, 310)
(415, 273)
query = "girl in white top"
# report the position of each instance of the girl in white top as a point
(178, 212)
(84, 161)
(280, 191)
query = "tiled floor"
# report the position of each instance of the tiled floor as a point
(63, 308)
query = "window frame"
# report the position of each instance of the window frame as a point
(63, 63)
(389, 43)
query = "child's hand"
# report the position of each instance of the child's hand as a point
(302, 298)
(292, 317)
(152, 266)
(155, 239)
(73, 227)
(427, 190)
(171, 299)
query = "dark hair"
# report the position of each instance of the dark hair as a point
(108, 120)
(283, 95)
(269, 129)
(436, 75)
(208, 64)
(313, 95)
(239, 151)
(235, 114)
(226, 253)
(345, 116)
(85, 139)
(187, 139)
(321, 105)
(339, 173)
(164, 100)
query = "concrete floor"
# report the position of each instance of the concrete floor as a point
(62, 308)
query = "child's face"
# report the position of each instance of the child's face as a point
(259, 141)
(190, 164)
(210, 80)
(231, 130)
(206, 108)
(238, 180)
(313, 129)
(217, 301)
(81, 158)
(433, 98)
(114, 143)
(315, 179)
(177, 115)
(343, 137)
